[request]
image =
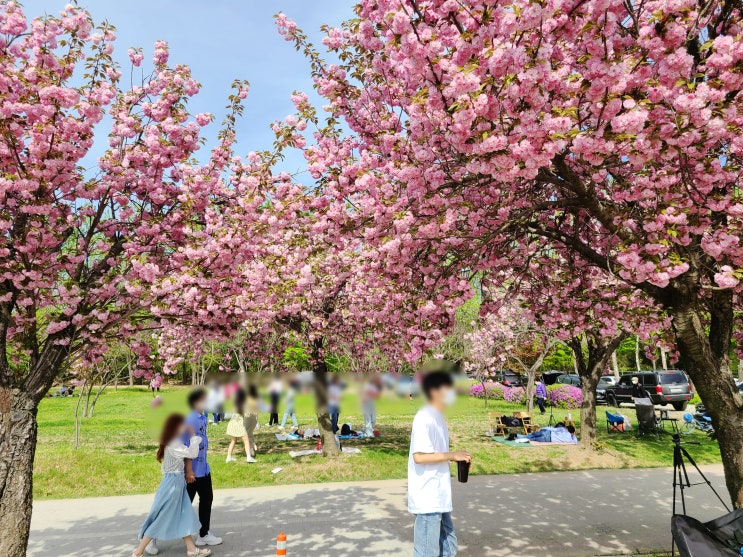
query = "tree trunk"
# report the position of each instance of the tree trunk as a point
(95, 399)
(529, 392)
(77, 416)
(531, 373)
(663, 359)
(615, 365)
(591, 368)
(87, 397)
(705, 359)
(17, 449)
(637, 353)
(589, 382)
(320, 376)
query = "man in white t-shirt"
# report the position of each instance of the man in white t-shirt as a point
(429, 477)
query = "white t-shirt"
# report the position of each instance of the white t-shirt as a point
(429, 485)
(334, 394)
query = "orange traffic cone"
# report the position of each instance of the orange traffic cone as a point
(281, 544)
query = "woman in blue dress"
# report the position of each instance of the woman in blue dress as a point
(172, 516)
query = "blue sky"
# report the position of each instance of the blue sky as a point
(222, 40)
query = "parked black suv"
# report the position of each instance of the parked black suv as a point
(662, 387)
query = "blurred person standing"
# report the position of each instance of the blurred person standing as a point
(370, 392)
(289, 401)
(215, 401)
(274, 393)
(236, 428)
(540, 392)
(335, 392)
(250, 419)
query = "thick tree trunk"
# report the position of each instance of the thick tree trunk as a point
(320, 375)
(706, 362)
(17, 449)
(589, 382)
(590, 369)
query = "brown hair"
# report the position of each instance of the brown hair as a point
(170, 431)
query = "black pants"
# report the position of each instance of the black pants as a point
(202, 486)
(540, 403)
(274, 419)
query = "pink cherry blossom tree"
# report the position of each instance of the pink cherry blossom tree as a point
(611, 131)
(508, 335)
(276, 263)
(83, 236)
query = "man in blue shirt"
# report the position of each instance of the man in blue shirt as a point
(198, 473)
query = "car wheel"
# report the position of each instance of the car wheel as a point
(680, 405)
(612, 400)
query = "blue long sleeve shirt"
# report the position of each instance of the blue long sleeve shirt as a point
(199, 423)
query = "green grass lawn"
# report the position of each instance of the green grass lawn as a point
(117, 446)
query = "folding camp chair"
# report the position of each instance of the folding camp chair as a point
(614, 422)
(526, 421)
(496, 424)
(695, 539)
(648, 423)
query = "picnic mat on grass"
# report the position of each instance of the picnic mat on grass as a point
(346, 450)
(504, 441)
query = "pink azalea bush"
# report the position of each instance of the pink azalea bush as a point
(564, 396)
(490, 390)
(514, 394)
(496, 391)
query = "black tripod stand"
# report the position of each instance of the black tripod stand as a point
(552, 421)
(681, 478)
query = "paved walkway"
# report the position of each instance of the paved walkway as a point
(562, 514)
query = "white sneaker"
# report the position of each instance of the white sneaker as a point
(230, 459)
(251, 460)
(152, 548)
(209, 539)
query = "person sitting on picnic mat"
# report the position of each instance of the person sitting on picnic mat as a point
(558, 434)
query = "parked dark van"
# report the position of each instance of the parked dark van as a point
(662, 387)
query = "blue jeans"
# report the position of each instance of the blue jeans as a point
(541, 436)
(289, 411)
(433, 536)
(335, 413)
